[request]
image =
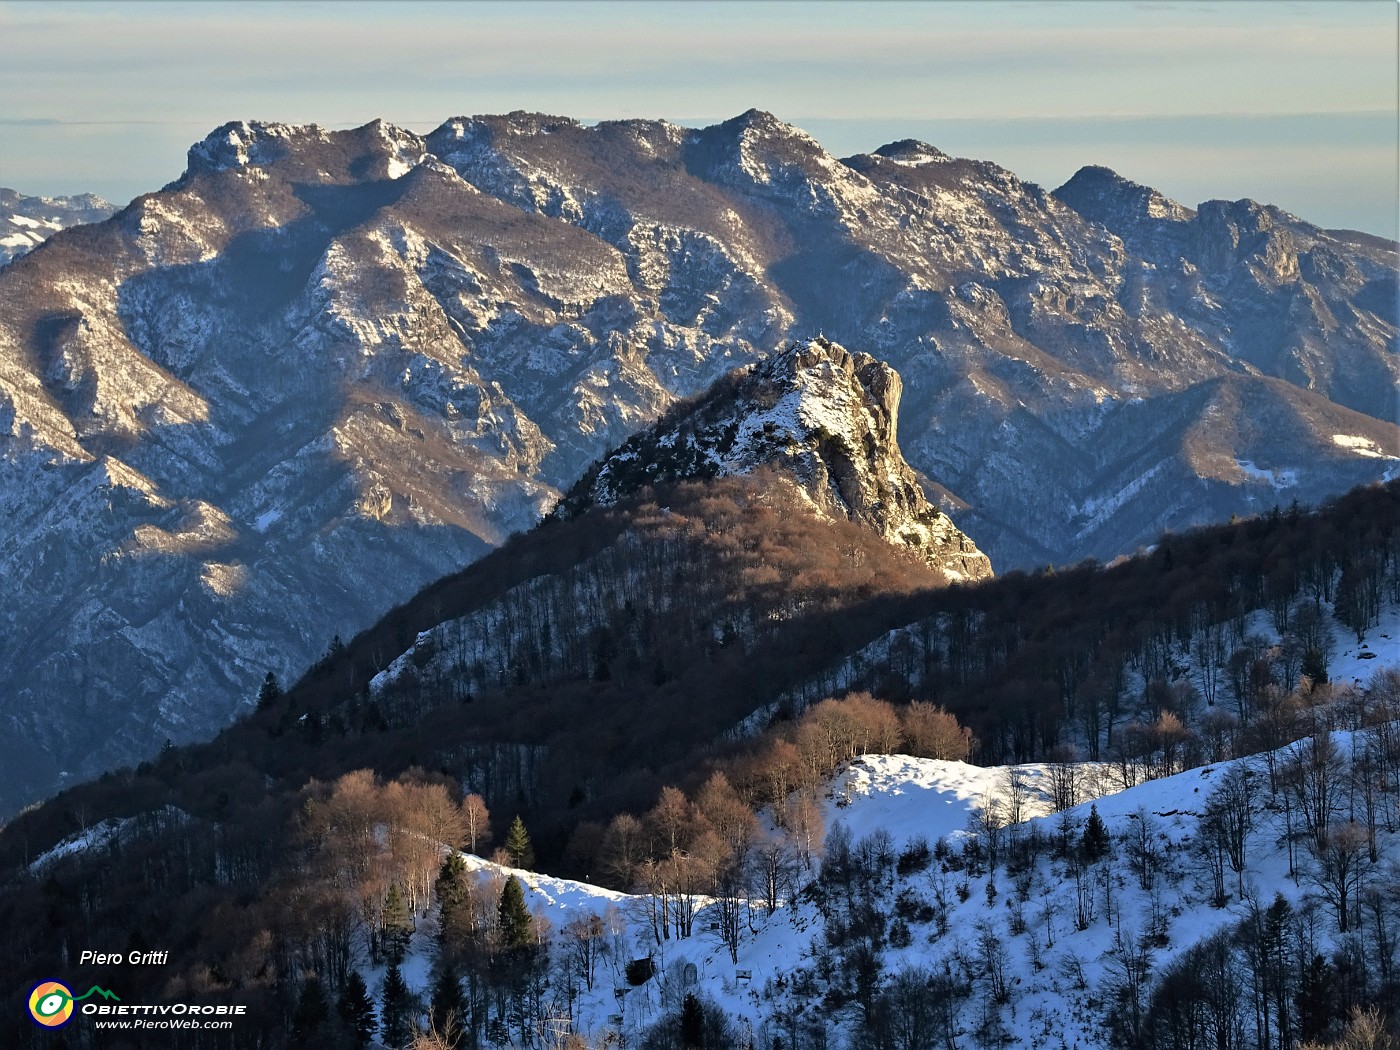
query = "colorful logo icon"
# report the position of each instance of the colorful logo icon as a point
(51, 1002)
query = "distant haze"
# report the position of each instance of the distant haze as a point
(1289, 103)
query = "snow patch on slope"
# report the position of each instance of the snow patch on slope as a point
(1361, 446)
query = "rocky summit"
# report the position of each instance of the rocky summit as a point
(256, 408)
(823, 417)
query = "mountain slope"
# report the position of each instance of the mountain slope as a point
(686, 638)
(1295, 288)
(1041, 968)
(321, 369)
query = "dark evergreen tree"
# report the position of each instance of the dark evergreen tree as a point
(311, 1012)
(395, 1008)
(522, 854)
(1095, 842)
(692, 1024)
(454, 905)
(269, 691)
(329, 657)
(356, 1010)
(1315, 666)
(515, 922)
(1315, 995)
(448, 1008)
(397, 925)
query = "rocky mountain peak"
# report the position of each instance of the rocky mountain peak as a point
(911, 151)
(759, 120)
(375, 151)
(759, 131)
(1102, 195)
(485, 128)
(823, 416)
(1259, 236)
(243, 143)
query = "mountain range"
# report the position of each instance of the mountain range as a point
(27, 221)
(255, 409)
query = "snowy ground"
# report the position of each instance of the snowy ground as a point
(1056, 971)
(1049, 1007)
(1381, 648)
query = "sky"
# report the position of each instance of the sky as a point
(1292, 103)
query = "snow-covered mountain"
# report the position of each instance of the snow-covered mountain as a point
(29, 221)
(820, 415)
(262, 405)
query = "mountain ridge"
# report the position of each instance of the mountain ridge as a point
(300, 382)
(1170, 666)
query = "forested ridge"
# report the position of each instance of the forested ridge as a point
(607, 670)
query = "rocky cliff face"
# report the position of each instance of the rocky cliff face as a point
(822, 416)
(1281, 296)
(256, 408)
(29, 221)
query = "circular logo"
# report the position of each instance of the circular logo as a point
(51, 1004)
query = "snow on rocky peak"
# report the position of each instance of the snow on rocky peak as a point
(242, 143)
(912, 153)
(823, 416)
(415, 362)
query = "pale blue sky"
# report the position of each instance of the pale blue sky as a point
(1292, 103)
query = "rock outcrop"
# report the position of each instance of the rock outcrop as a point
(822, 416)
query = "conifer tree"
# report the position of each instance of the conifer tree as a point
(454, 904)
(692, 1024)
(1315, 1000)
(311, 1012)
(1094, 843)
(395, 1005)
(397, 924)
(356, 1010)
(448, 1007)
(522, 854)
(515, 923)
(269, 691)
(1314, 666)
